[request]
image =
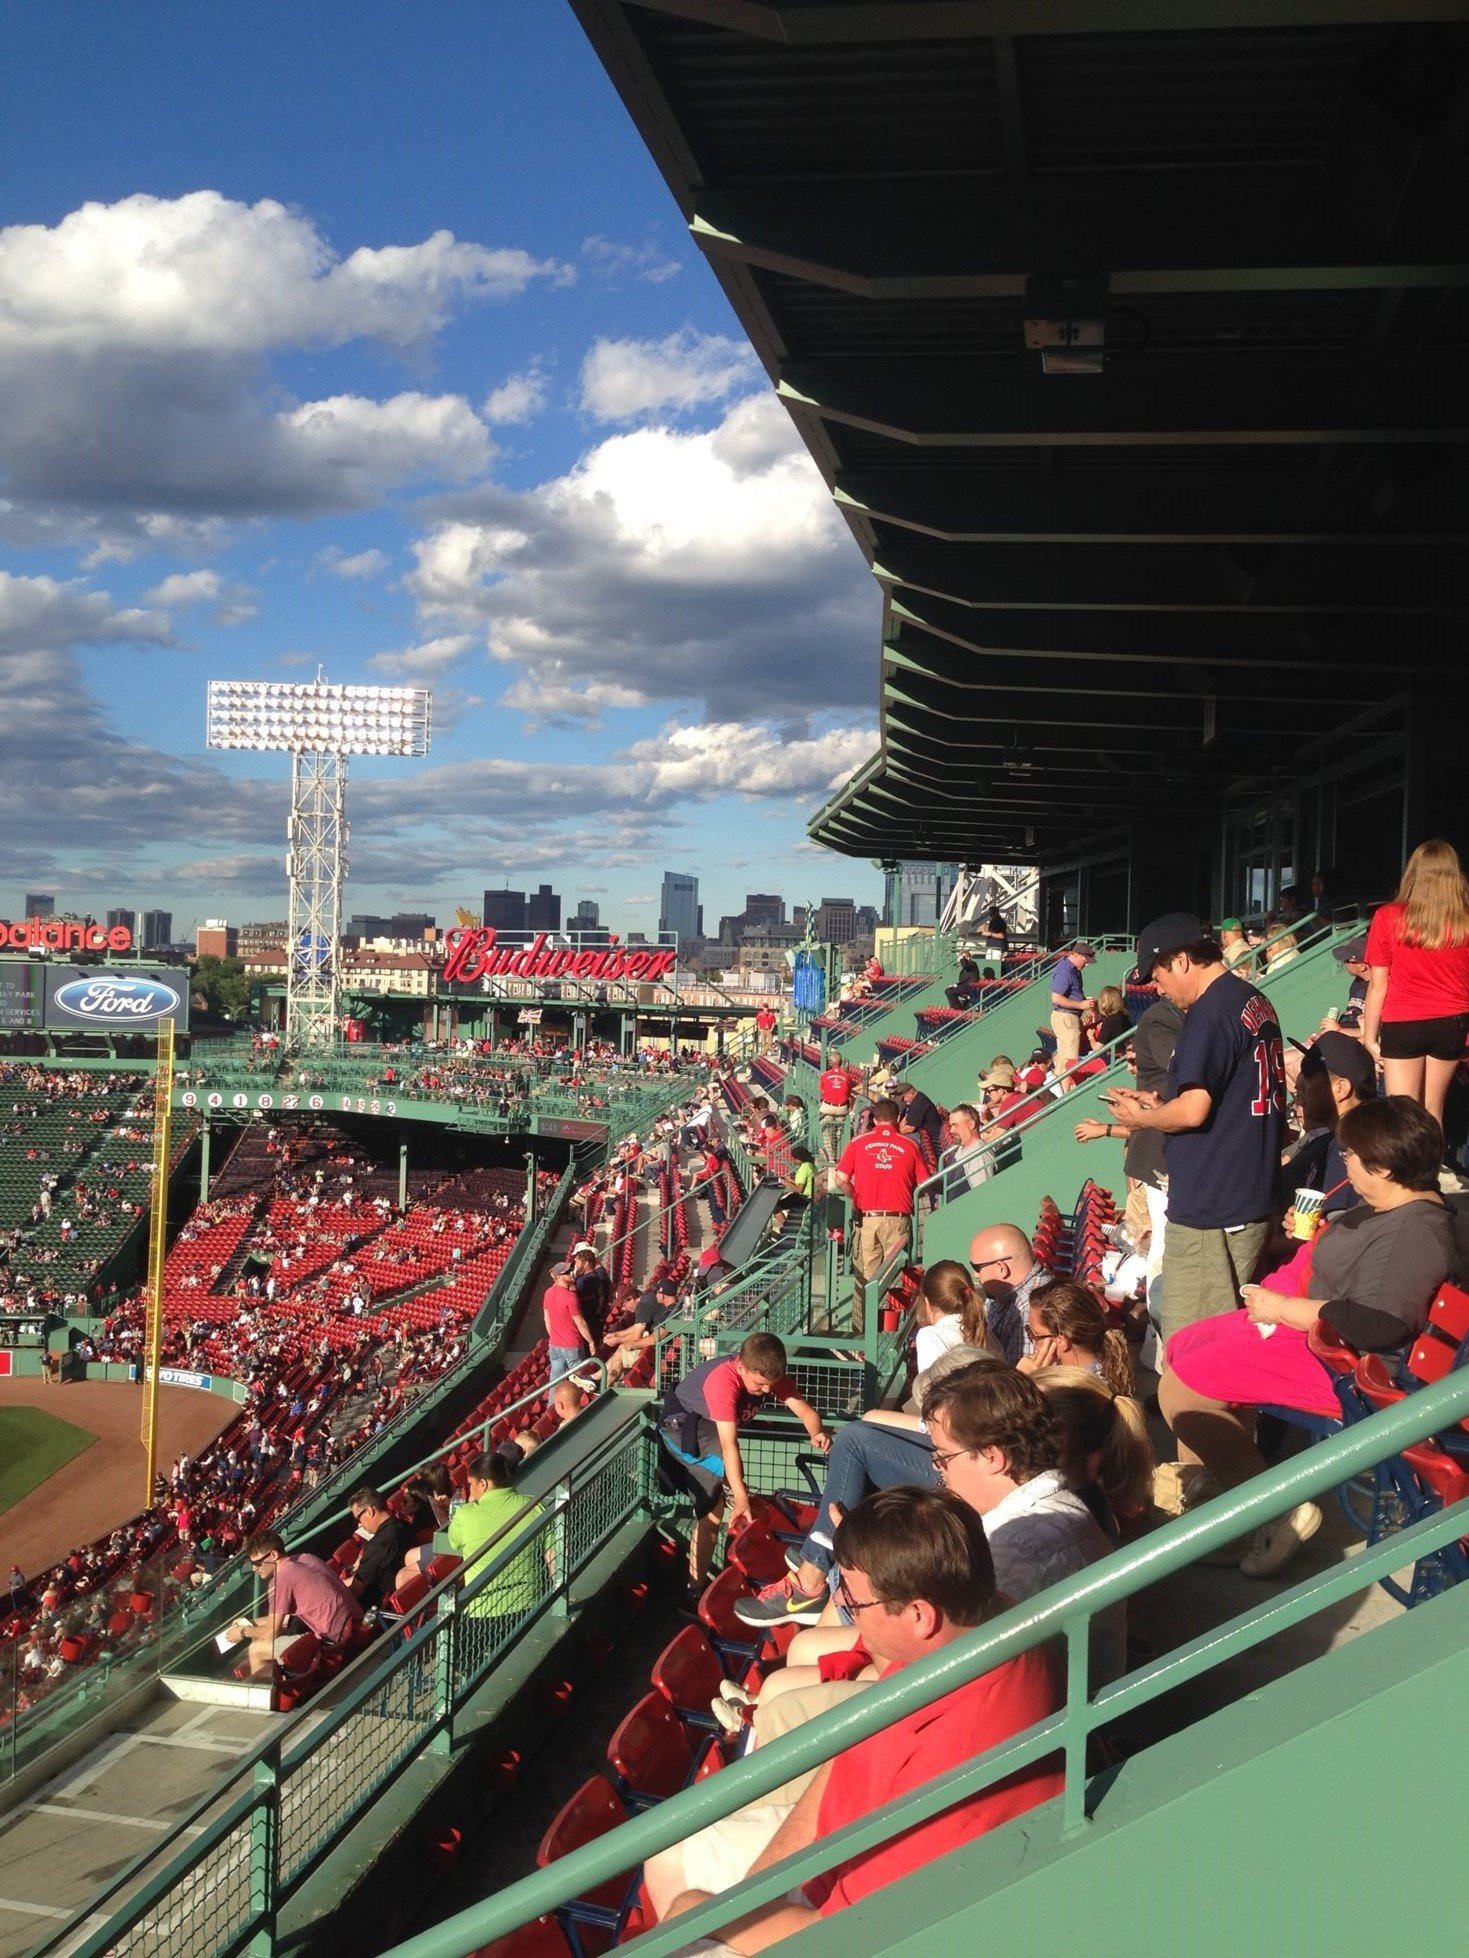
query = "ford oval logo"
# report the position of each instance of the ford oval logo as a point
(114, 1000)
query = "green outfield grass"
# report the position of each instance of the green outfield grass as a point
(34, 1445)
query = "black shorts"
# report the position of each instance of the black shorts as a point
(1419, 1040)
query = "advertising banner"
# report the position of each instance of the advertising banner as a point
(22, 994)
(117, 999)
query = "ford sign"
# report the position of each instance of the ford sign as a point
(113, 1000)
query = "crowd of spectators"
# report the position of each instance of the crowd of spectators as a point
(291, 1281)
(75, 1162)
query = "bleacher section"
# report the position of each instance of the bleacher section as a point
(298, 1279)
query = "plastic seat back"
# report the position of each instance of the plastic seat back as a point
(649, 1752)
(687, 1673)
(594, 1810)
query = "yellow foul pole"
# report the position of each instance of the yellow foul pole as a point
(157, 1248)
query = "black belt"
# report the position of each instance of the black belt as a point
(883, 1213)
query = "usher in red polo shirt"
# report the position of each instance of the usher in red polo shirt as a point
(931, 1742)
(885, 1168)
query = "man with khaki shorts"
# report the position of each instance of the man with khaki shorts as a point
(879, 1171)
(1069, 1000)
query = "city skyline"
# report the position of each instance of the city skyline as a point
(472, 415)
(759, 910)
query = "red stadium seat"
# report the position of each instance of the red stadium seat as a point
(687, 1673)
(649, 1751)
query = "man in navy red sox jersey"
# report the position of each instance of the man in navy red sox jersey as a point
(1222, 1119)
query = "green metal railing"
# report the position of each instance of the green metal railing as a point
(1066, 1611)
(294, 1796)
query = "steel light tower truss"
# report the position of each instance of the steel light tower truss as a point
(318, 726)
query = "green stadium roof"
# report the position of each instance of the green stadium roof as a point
(1117, 597)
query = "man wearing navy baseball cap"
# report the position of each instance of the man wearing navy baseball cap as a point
(1222, 1118)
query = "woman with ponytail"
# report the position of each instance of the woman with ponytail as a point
(1109, 1458)
(1069, 1327)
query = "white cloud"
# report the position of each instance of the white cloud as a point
(41, 615)
(738, 759)
(678, 564)
(205, 273)
(233, 604)
(138, 410)
(423, 661)
(622, 379)
(615, 262)
(518, 399)
(361, 564)
(546, 702)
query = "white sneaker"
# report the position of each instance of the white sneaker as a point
(1276, 1543)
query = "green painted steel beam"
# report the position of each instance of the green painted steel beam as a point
(1385, 577)
(973, 238)
(1204, 653)
(943, 401)
(1140, 506)
(820, 23)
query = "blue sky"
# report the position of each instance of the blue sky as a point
(370, 336)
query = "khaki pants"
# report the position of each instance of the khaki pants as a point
(877, 1240)
(787, 1711)
(1203, 1271)
(1067, 1029)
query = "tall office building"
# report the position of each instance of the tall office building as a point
(401, 924)
(678, 909)
(543, 910)
(916, 893)
(40, 904)
(505, 910)
(836, 920)
(587, 916)
(157, 929)
(122, 916)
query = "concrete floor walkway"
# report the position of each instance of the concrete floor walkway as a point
(74, 1832)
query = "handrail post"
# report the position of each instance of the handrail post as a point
(872, 1297)
(446, 1651)
(265, 1849)
(1078, 1729)
(561, 1550)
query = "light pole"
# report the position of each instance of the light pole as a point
(318, 726)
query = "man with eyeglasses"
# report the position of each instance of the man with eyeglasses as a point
(916, 1576)
(299, 1587)
(1006, 1270)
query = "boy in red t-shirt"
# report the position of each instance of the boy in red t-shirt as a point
(700, 1428)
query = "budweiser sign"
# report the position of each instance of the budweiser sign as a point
(473, 954)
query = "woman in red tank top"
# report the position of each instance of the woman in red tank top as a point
(1416, 1017)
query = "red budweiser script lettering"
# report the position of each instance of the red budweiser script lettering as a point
(473, 954)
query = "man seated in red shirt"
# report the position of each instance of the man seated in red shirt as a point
(302, 1587)
(916, 1570)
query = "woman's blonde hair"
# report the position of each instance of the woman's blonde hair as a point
(947, 1288)
(1109, 1000)
(1075, 1314)
(1110, 1426)
(1434, 895)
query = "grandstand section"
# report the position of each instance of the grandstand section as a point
(1175, 620)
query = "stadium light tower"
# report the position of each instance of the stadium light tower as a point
(318, 726)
